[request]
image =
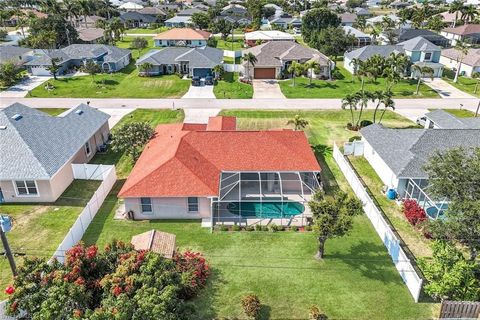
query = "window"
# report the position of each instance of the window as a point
(146, 204)
(87, 148)
(192, 204)
(26, 188)
(428, 56)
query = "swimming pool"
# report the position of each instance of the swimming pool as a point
(270, 210)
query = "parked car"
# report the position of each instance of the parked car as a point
(196, 81)
(421, 121)
(209, 80)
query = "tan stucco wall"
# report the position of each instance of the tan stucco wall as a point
(50, 190)
(169, 208)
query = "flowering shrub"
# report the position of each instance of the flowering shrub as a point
(195, 270)
(116, 283)
(413, 212)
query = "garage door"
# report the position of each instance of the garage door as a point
(264, 73)
(202, 72)
(40, 71)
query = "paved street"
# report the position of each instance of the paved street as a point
(272, 104)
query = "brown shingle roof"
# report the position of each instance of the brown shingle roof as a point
(464, 30)
(156, 241)
(183, 34)
(472, 58)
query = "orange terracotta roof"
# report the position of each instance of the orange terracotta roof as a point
(179, 162)
(183, 34)
(156, 241)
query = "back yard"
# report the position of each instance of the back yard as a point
(123, 84)
(347, 84)
(356, 280)
(38, 229)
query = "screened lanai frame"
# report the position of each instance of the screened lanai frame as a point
(261, 189)
(417, 189)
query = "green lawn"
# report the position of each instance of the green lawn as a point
(230, 60)
(53, 111)
(38, 229)
(236, 44)
(122, 162)
(123, 84)
(465, 84)
(355, 279)
(349, 84)
(459, 113)
(126, 43)
(417, 243)
(146, 31)
(231, 88)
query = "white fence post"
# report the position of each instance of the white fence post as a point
(400, 259)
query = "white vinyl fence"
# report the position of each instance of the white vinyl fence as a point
(90, 172)
(228, 67)
(387, 235)
(232, 54)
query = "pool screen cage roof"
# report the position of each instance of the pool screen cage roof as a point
(269, 186)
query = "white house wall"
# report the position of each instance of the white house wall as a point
(169, 208)
(452, 63)
(383, 171)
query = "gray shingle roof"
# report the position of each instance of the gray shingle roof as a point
(12, 52)
(137, 16)
(80, 52)
(407, 34)
(368, 51)
(200, 57)
(271, 53)
(405, 151)
(419, 44)
(37, 145)
(446, 120)
(472, 58)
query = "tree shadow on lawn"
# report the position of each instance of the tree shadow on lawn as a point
(371, 260)
(315, 85)
(205, 301)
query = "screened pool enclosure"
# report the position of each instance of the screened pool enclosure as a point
(418, 189)
(249, 197)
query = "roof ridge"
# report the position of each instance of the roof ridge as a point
(412, 154)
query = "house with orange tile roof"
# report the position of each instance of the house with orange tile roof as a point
(219, 174)
(182, 37)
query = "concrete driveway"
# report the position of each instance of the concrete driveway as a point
(21, 89)
(199, 92)
(267, 89)
(446, 90)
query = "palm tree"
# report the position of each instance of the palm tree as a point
(378, 97)
(51, 7)
(361, 23)
(362, 97)
(420, 72)
(312, 67)
(298, 122)
(22, 20)
(455, 7)
(375, 33)
(105, 8)
(359, 69)
(436, 23)
(387, 102)
(468, 13)
(476, 76)
(218, 70)
(350, 101)
(399, 62)
(71, 10)
(250, 59)
(85, 8)
(117, 27)
(296, 69)
(462, 50)
(146, 67)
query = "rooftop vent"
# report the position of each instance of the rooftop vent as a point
(17, 117)
(79, 112)
(3, 127)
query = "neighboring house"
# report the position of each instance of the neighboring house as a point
(91, 21)
(182, 37)
(419, 50)
(38, 150)
(399, 5)
(217, 173)
(363, 39)
(449, 18)
(359, 11)
(109, 58)
(399, 155)
(435, 38)
(135, 19)
(90, 35)
(470, 62)
(235, 13)
(256, 37)
(379, 19)
(13, 21)
(16, 55)
(347, 19)
(198, 61)
(179, 22)
(287, 22)
(154, 12)
(274, 58)
(440, 119)
(130, 6)
(278, 10)
(469, 33)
